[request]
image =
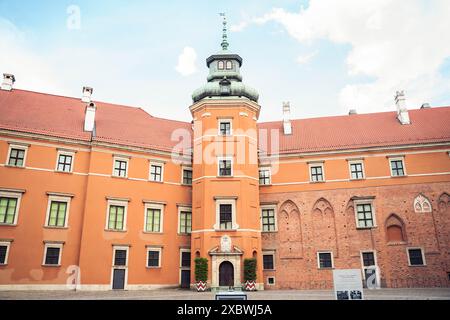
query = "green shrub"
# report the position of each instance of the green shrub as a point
(201, 269)
(250, 269)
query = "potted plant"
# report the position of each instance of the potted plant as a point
(201, 273)
(250, 274)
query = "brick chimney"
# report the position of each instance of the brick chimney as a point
(287, 126)
(87, 94)
(402, 112)
(89, 117)
(8, 82)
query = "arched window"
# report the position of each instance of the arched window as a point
(395, 229)
(220, 65)
(422, 204)
(229, 65)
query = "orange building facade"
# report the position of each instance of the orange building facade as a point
(97, 196)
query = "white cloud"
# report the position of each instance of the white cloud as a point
(305, 58)
(239, 27)
(187, 62)
(399, 44)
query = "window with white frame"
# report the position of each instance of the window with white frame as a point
(64, 161)
(116, 215)
(270, 281)
(365, 215)
(185, 220)
(225, 167)
(9, 207)
(316, 172)
(268, 260)
(226, 214)
(4, 252)
(120, 258)
(422, 204)
(52, 254)
(356, 170)
(416, 257)
(225, 127)
(397, 167)
(268, 219)
(57, 211)
(154, 217)
(264, 176)
(17, 155)
(156, 172)
(185, 258)
(153, 257)
(325, 260)
(120, 167)
(220, 65)
(187, 176)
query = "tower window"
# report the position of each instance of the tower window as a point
(229, 65)
(226, 216)
(225, 127)
(225, 168)
(220, 65)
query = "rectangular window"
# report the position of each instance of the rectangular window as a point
(17, 157)
(268, 262)
(397, 167)
(185, 259)
(153, 258)
(364, 215)
(270, 281)
(64, 162)
(415, 256)
(356, 170)
(120, 257)
(187, 176)
(156, 172)
(120, 168)
(225, 127)
(264, 176)
(317, 173)
(268, 220)
(153, 220)
(4, 250)
(368, 259)
(325, 260)
(116, 217)
(52, 255)
(185, 222)
(225, 167)
(226, 216)
(57, 214)
(8, 208)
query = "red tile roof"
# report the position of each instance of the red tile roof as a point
(58, 116)
(361, 131)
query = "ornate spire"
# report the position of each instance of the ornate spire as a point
(224, 43)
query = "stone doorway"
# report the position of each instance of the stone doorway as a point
(226, 274)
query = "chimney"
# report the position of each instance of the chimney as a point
(402, 112)
(89, 117)
(287, 126)
(87, 94)
(8, 82)
(352, 111)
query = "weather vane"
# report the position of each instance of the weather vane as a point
(224, 43)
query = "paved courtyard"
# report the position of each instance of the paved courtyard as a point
(178, 294)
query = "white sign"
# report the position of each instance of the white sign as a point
(225, 244)
(348, 284)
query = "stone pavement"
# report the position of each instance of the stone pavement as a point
(178, 294)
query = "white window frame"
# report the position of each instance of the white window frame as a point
(269, 253)
(159, 164)
(318, 259)
(150, 248)
(49, 203)
(183, 168)
(226, 158)
(158, 206)
(119, 158)
(361, 162)
(116, 203)
(234, 225)
(274, 207)
(52, 245)
(17, 146)
(402, 159)
(66, 153)
(316, 164)
(423, 257)
(374, 217)
(270, 284)
(7, 244)
(18, 196)
(270, 175)
(223, 120)
(184, 209)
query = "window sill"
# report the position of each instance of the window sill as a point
(184, 234)
(417, 266)
(56, 228)
(152, 232)
(269, 269)
(331, 268)
(3, 265)
(11, 166)
(398, 243)
(357, 179)
(64, 172)
(111, 230)
(323, 181)
(8, 224)
(265, 185)
(51, 265)
(155, 181)
(404, 176)
(275, 231)
(153, 267)
(366, 228)
(117, 177)
(186, 184)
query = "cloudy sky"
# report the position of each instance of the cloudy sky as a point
(323, 56)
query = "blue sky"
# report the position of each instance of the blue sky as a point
(325, 57)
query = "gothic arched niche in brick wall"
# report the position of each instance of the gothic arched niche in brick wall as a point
(395, 229)
(289, 229)
(324, 225)
(443, 216)
(444, 202)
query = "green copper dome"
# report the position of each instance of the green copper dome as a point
(224, 79)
